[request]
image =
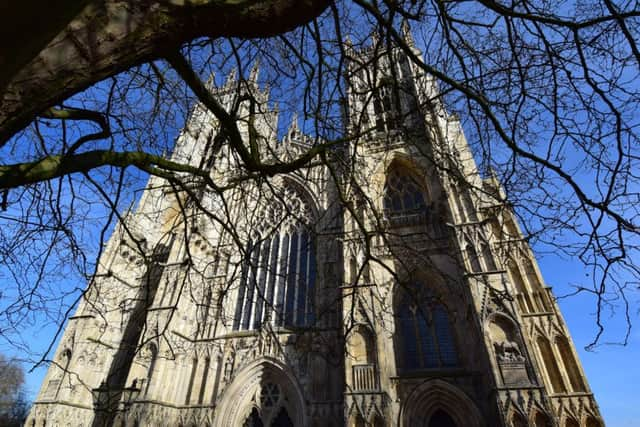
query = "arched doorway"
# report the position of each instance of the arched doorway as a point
(437, 403)
(264, 394)
(253, 420)
(441, 418)
(281, 419)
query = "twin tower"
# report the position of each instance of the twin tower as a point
(388, 285)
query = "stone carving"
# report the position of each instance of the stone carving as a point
(508, 351)
(228, 367)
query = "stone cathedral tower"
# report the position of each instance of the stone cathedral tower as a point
(402, 296)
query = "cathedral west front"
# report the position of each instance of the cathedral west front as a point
(388, 285)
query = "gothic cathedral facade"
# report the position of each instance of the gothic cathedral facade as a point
(403, 295)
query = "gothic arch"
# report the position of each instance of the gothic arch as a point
(549, 365)
(404, 190)
(239, 398)
(404, 163)
(593, 422)
(472, 257)
(506, 328)
(540, 419)
(430, 281)
(58, 379)
(361, 344)
(297, 185)
(437, 395)
(361, 359)
(516, 419)
(570, 365)
(570, 422)
(278, 274)
(506, 344)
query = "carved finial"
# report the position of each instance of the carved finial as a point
(294, 122)
(255, 70)
(211, 81)
(375, 38)
(231, 78)
(348, 44)
(406, 33)
(293, 132)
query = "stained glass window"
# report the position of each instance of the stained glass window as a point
(402, 194)
(278, 274)
(384, 107)
(426, 335)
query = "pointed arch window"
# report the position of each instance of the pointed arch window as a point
(571, 367)
(385, 108)
(403, 195)
(427, 339)
(473, 259)
(278, 276)
(551, 365)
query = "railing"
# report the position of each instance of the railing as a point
(405, 219)
(364, 378)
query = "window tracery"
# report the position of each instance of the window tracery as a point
(384, 107)
(402, 194)
(278, 276)
(426, 334)
(269, 395)
(271, 409)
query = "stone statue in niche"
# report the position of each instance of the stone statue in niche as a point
(228, 367)
(508, 351)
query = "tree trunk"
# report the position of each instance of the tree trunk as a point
(110, 36)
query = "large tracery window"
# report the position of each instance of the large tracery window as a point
(278, 276)
(426, 337)
(402, 194)
(384, 107)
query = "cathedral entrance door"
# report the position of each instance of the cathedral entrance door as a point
(281, 420)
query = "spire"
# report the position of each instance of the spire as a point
(255, 70)
(293, 133)
(294, 122)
